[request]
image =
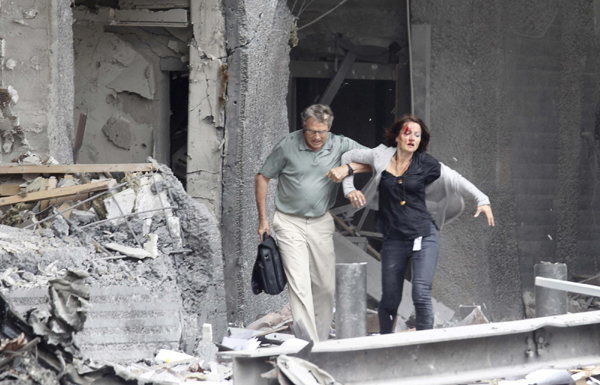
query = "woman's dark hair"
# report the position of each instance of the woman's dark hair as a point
(392, 133)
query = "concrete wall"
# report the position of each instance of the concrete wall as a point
(514, 96)
(120, 85)
(258, 34)
(206, 104)
(36, 55)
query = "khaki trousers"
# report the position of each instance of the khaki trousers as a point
(306, 249)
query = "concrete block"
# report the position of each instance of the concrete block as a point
(133, 252)
(124, 200)
(125, 323)
(152, 245)
(60, 227)
(82, 218)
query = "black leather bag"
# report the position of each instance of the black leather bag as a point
(268, 274)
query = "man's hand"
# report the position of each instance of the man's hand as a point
(357, 199)
(263, 227)
(487, 210)
(338, 174)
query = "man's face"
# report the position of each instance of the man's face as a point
(315, 134)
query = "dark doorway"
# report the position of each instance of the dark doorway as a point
(179, 90)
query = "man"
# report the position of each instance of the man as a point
(303, 162)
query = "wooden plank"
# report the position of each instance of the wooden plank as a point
(77, 168)
(51, 186)
(63, 191)
(63, 207)
(8, 189)
(70, 198)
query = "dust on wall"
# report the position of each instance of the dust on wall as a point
(36, 71)
(258, 49)
(513, 89)
(120, 85)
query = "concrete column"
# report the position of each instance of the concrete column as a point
(206, 104)
(350, 300)
(421, 71)
(549, 302)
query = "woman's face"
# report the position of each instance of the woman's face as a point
(409, 137)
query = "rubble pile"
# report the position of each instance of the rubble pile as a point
(148, 251)
(44, 352)
(102, 226)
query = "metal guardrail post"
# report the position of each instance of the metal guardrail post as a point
(350, 300)
(549, 302)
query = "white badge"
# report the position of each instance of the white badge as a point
(417, 244)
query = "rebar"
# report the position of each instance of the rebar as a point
(110, 190)
(84, 233)
(82, 202)
(127, 215)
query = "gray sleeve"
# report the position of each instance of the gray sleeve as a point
(464, 187)
(362, 155)
(274, 162)
(349, 144)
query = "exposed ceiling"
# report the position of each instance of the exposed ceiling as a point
(371, 26)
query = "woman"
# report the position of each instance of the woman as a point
(403, 171)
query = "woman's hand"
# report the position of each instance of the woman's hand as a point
(337, 174)
(357, 199)
(487, 210)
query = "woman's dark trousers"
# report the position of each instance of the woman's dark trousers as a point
(395, 257)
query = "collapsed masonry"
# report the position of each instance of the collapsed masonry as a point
(152, 254)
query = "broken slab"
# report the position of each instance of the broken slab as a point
(124, 323)
(476, 317)
(133, 252)
(120, 203)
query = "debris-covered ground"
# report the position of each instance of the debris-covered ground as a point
(112, 275)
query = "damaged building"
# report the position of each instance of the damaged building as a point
(206, 88)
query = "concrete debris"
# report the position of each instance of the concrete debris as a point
(10, 64)
(129, 251)
(273, 320)
(82, 218)
(69, 298)
(475, 318)
(294, 370)
(152, 246)
(30, 13)
(60, 227)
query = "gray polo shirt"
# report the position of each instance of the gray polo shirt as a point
(303, 188)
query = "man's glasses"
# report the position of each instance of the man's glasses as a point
(313, 132)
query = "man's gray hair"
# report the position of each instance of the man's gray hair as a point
(320, 112)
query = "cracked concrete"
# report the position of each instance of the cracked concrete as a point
(37, 61)
(258, 66)
(206, 113)
(119, 80)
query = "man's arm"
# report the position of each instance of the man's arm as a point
(337, 174)
(262, 186)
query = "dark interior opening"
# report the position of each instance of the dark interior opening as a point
(363, 109)
(179, 90)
